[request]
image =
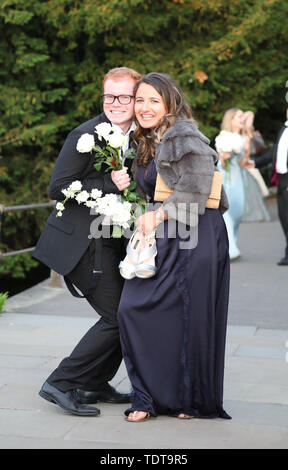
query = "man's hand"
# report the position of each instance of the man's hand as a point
(121, 178)
(250, 164)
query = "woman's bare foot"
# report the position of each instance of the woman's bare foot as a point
(137, 416)
(184, 416)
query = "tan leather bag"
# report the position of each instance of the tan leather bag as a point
(162, 191)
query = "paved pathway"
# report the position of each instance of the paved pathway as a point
(43, 324)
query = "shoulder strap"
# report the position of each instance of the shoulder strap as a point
(96, 272)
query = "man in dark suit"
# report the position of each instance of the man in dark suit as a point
(87, 263)
(279, 155)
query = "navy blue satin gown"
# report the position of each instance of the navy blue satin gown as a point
(173, 325)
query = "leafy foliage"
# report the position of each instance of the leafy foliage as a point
(54, 54)
(3, 298)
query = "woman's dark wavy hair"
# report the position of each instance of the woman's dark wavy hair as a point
(176, 107)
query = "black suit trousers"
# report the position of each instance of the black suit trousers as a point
(282, 198)
(97, 357)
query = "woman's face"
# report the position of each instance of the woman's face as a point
(149, 106)
(237, 121)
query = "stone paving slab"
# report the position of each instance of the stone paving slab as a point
(256, 395)
(256, 351)
(43, 300)
(12, 442)
(114, 433)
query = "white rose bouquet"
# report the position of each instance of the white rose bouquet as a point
(116, 208)
(111, 153)
(118, 212)
(74, 191)
(228, 142)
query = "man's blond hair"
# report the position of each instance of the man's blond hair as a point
(120, 72)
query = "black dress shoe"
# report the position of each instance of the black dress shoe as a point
(67, 401)
(283, 261)
(106, 395)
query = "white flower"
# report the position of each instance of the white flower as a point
(91, 204)
(59, 214)
(106, 205)
(228, 142)
(127, 205)
(96, 193)
(60, 206)
(111, 206)
(111, 198)
(122, 214)
(85, 143)
(237, 143)
(82, 197)
(117, 139)
(223, 142)
(103, 130)
(75, 186)
(68, 193)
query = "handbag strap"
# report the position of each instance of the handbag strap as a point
(96, 271)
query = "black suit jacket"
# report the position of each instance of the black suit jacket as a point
(65, 239)
(270, 155)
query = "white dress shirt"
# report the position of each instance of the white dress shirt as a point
(282, 152)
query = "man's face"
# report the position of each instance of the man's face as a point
(117, 113)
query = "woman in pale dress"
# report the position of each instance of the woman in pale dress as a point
(244, 194)
(231, 164)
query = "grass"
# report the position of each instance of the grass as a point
(3, 298)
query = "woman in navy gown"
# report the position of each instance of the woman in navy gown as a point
(173, 325)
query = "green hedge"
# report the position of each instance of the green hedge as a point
(54, 54)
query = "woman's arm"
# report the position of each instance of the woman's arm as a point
(247, 151)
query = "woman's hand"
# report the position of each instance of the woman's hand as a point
(223, 157)
(121, 178)
(250, 164)
(148, 221)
